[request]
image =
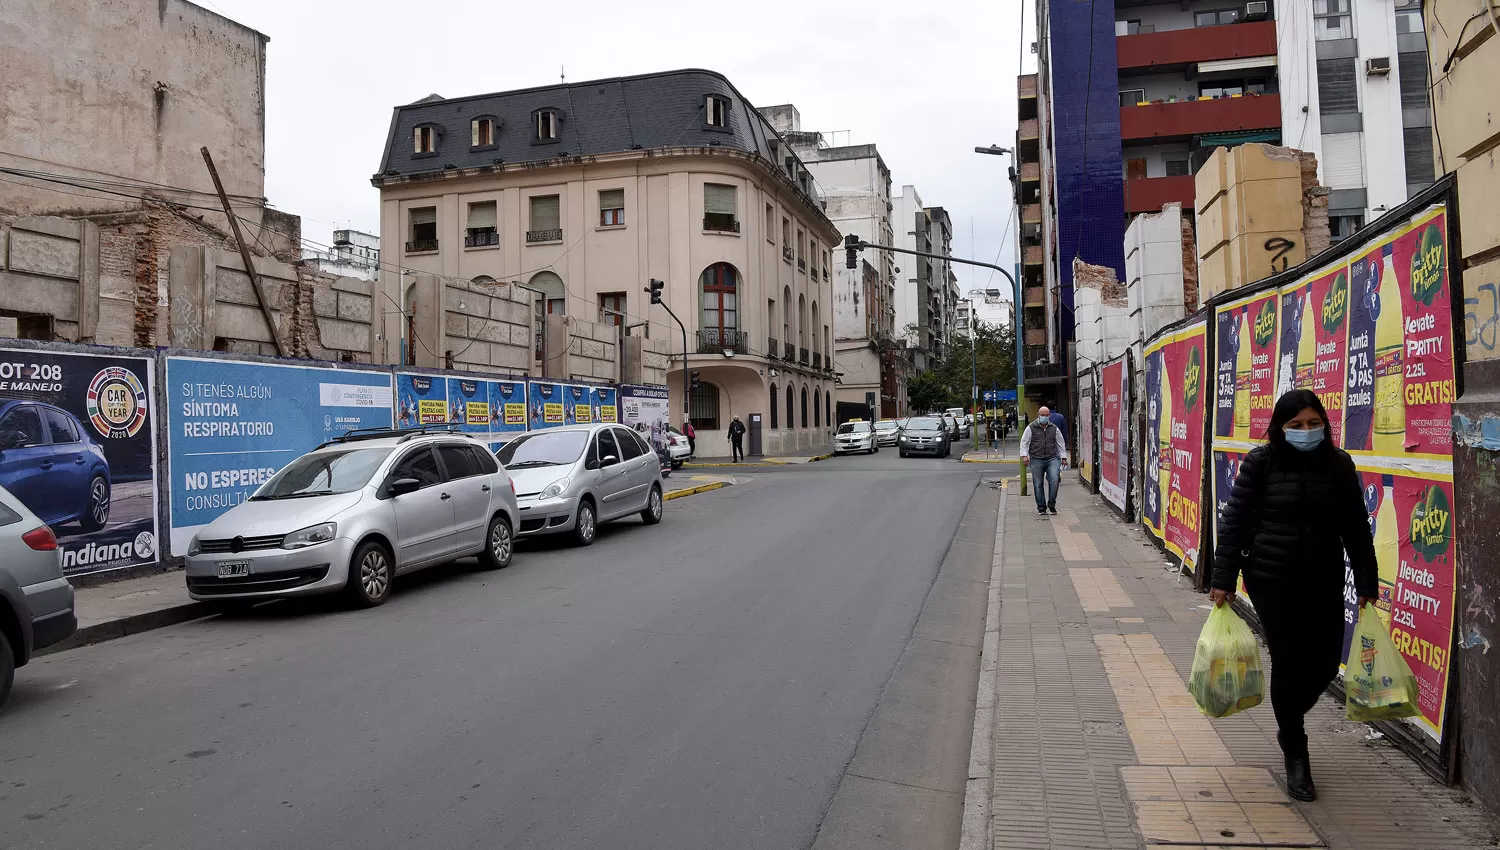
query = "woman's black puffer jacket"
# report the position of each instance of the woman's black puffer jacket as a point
(1290, 518)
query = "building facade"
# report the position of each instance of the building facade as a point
(927, 289)
(352, 254)
(855, 185)
(581, 193)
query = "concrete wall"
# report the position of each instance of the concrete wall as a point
(580, 350)
(484, 329)
(1154, 272)
(645, 361)
(213, 306)
(50, 267)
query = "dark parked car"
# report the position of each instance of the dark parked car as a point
(48, 461)
(924, 435)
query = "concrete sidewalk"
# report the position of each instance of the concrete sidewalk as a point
(779, 460)
(116, 609)
(1086, 737)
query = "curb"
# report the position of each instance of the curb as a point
(982, 460)
(813, 459)
(976, 832)
(693, 491)
(126, 626)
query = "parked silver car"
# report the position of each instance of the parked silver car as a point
(355, 513)
(887, 432)
(36, 602)
(571, 479)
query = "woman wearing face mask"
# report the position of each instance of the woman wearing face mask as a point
(1295, 510)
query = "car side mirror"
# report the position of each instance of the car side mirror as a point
(402, 486)
(608, 460)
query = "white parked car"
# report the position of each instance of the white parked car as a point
(855, 436)
(678, 448)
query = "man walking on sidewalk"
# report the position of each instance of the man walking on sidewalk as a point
(1042, 448)
(737, 439)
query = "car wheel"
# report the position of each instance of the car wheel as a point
(97, 512)
(586, 525)
(500, 544)
(370, 574)
(7, 668)
(676, 464)
(652, 514)
(903, 452)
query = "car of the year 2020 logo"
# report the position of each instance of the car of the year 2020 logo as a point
(116, 403)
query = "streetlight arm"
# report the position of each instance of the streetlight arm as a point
(862, 245)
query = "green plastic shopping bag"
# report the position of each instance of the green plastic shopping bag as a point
(1378, 684)
(1226, 676)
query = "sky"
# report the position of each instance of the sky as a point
(926, 87)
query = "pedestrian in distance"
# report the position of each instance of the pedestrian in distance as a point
(1060, 421)
(692, 435)
(1042, 449)
(737, 439)
(1296, 509)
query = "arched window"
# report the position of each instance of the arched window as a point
(817, 411)
(773, 405)
(804, 406)
(719, 325)
(703, 406)
(828, 407)
(482, 280)
(802, 321)
(550, 297)
(791, 408)
(786, 329)
(816, 323)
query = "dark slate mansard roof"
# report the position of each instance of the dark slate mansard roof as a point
(595, 117)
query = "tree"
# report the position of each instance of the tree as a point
(927, 392)
(987, 358)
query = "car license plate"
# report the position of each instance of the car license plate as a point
(234, 569)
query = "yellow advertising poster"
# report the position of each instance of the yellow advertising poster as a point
(552, 412)
(477, 413)
(430, 410)
(582, 414)
(515, 413)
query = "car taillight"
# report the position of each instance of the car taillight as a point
(41, 539)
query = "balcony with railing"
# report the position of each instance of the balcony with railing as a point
(1035, 296)
(802, 356)
(481, 237)
(421, 246)
(1031, 213)
(1031, 172)
(773, 348)
(1027, 131)
(715, 340)
(789, 352)
(1036, 336)
(554, 234)
(817, 360)
(1147, 194)
(1026, 86)
(1185, 118)
(1151, 52)
(720, 223)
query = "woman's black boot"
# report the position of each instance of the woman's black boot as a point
(1299, 782)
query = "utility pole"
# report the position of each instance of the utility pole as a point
(239, 239)
(853, 245)
(1015, 304)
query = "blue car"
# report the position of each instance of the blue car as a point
(48, 461)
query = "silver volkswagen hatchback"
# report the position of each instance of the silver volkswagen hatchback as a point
(573, 478)
(355, 513)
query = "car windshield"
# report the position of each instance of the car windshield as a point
(323, 474)
(886, 425)
(543, 448)
(923, 424)
(854, 428)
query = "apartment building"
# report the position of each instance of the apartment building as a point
(352, 254)
(580, 193)
(855, 184)
(927, 289)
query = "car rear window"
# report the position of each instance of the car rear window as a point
(457, 459)
(8, 516)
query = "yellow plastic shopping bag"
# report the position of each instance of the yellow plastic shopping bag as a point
(1226, 676)
(1378, 684)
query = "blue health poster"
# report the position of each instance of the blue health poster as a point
(232, 425)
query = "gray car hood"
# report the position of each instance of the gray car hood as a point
(279, 516)
(533, 480)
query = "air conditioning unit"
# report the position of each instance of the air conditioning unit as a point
(1377, 66)
(1257, 10)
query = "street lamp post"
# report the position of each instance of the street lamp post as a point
(996, 150)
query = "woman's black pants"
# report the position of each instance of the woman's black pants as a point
(1304, 629)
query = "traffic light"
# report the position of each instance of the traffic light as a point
(655, 290)
(851, 253)
(693, 380)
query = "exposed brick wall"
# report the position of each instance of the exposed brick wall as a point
(1315, 234)
(1189, 267)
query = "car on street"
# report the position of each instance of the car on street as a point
(924, 435)
(36, 601)
(678, 447)
(856, 435)
(355, 513)
(950, 425)
(962, 418)
(570, 479)
(49, 462)
(887, 432)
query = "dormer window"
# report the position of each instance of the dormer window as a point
(716, 111)
(546, 125)
(482, 132)
(424, 139)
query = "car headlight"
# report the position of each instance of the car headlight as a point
(555, 489)
(310, 536)
(193, 547)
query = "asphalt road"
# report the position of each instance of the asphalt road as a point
(704, 683)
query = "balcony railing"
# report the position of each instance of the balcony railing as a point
(1027, 129)
(1026, 86)
(552, 235)
(1031, 172)
(721, 223)
(1031, 213)
(418, 246)
(817, 360)
(825, 274)
(715, 340)
(789, 352)
(1046, 372)
(773, 348)
(1185, 118)
(1148, 51)
(1035, 296)
(1147, 194)
(802, 356)
(481, 238)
